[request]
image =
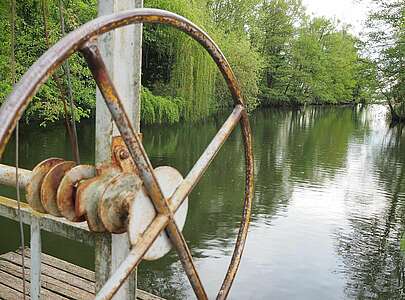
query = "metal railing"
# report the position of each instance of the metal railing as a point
(38, 221)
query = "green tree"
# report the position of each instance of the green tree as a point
(365, 90)
(233, 15)
(181, 66)
(273, 34)
(278, 53)
(324, 60)
(30, 45)
(235, 18)
(386, 41)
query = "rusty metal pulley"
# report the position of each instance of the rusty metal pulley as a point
(104, 196)
(66, 198)
(109, 197)
(129, 194)
(35, 184)
(50, 185)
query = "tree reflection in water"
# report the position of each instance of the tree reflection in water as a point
(373, 262)
(328, 210)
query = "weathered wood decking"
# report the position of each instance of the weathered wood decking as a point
(60, 280)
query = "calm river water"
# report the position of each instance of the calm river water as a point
(328, 210)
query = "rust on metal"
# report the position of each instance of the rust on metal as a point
(66, 193)
(33, 189)
(88, 196)
(116, 199)
(50, 186)
(86, 204)
(7, 176)
(121, 156)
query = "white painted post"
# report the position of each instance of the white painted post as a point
(35, 258)
(122, 53)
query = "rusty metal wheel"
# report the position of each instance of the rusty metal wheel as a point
(84, 40)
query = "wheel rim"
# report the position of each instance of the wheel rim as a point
(82, 40)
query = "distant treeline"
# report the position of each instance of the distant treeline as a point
(281, 56)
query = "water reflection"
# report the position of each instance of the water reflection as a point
(328, 210)
(370, 245)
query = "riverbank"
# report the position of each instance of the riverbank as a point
(159, 110)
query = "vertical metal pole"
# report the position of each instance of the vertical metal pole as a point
(35, 258)
(102, 258)
(121, 51)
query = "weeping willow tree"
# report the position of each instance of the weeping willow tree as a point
(187, 69)
(191, 73)
(193, 78)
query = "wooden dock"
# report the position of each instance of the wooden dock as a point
(60, 280)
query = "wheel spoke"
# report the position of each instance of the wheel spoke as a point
(205, 159)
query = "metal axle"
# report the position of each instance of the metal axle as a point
(7, 176)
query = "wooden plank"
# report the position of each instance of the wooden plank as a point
(55, 273)
(47, 282)
(59, 226)
(142, 295)
(61, 265)
(83, 273)
(16, 284)
(9, 293)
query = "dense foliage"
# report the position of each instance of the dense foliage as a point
(30, 44)
(279, 54)
(386, 45)
(159, 110)
(308, 60)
